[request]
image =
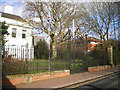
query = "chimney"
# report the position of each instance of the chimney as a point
(8, 9)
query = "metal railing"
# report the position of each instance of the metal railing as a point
(19, 52)
(71, 55)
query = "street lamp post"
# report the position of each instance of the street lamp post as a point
(49, 67)
(49, 21)
(86, 47)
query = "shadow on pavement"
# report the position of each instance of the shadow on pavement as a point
(6, 84)
(89, 87)
(94, 87)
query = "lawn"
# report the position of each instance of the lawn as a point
(39, 65)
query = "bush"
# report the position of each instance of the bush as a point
(116, 51)
(69, 51)
(12, 66)
(100, 55)
(41, 50)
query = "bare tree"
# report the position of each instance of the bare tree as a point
(100, 18)
(53, 18)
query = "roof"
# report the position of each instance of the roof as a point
(93, 39)
(11, 16)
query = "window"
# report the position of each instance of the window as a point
(23, 33)
(14, 32)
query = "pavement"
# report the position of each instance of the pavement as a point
(67, 80)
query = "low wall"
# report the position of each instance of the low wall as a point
(34, 77)
(97, 68)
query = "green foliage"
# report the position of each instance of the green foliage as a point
(100, 55)
(70, 50)
(12, 66)
(116, 50)
(41, 50)
(3, 31)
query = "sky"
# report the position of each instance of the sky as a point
(17, 6)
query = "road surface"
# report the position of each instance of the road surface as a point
(109, 82)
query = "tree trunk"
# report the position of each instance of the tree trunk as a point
(107, 35)
(53, 51)
(101, 37)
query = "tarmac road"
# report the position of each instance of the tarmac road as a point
(110, 82)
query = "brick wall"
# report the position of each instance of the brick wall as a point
(35, 77)
(97, 68)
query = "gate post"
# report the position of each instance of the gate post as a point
(110, 51)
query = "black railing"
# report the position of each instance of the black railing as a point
(71, 55)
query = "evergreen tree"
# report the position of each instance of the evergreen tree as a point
(41, 50)
(3, 32)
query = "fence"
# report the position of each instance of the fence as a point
(71, 55)
(19, 52)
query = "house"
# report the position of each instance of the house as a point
(19, 40)
(92, 42)
(87, 44)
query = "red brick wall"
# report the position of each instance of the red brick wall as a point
(13, 81)
(35, 77)
(97, 68)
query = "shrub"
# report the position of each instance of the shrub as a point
(41, 50)
(100, 55)
(12, 66)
